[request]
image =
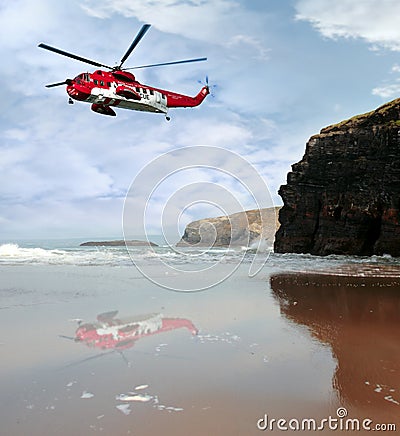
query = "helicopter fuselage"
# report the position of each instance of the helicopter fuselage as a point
(107, 89)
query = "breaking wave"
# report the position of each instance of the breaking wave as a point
(14, 254)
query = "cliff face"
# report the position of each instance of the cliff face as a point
(239, 229)
(343, 197)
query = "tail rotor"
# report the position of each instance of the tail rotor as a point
(208, 86)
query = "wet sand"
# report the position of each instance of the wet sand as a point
(148, 361)
(357, 315)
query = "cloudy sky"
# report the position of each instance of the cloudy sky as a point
(281, 70)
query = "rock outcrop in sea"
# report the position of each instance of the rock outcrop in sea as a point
(239, 229)
(118, 243)
(343, 197)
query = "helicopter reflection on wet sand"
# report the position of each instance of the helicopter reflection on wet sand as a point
(359, 318)
(110, 332)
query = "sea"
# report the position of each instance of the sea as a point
(193, 340)
(70, 252)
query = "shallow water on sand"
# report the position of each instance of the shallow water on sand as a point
(149, 361)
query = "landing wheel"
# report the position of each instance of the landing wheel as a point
(168, 118)
(70, 101)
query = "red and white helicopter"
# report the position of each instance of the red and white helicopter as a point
(119, 88)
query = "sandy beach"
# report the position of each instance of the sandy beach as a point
(213, 362)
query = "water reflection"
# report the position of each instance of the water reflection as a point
(111, 332)
(359, 318)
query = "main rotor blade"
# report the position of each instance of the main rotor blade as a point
(96, 356)
(67, 337)
(73, 56)
(66, 82)
(135, 42)
(168, 63)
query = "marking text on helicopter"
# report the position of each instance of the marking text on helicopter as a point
(119, 88)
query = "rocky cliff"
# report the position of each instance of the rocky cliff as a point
(343, 197)
(239, 229)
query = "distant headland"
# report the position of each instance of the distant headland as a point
(239, 229)
(118, 243)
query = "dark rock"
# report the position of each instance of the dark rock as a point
(119, 243)
(239, 229)
(343, 197)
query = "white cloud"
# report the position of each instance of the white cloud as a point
(221, 133)
(387, 91)
(197, 19)
(390, 88)
(262, 52)
(375, 21)
(44, 219)
(20, 20)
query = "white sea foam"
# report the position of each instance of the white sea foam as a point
(124, 408)
(141, 387)
(134, 397)
(14, 254)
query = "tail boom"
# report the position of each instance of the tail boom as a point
(179, 100)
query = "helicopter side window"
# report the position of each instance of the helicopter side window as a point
(144, 91)
(101, 83)
(151, 92)
(109, 84)
(95, 81)
(137, 89)
(163, 96)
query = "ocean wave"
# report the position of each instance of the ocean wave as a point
(12, 254)
(15, 254)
